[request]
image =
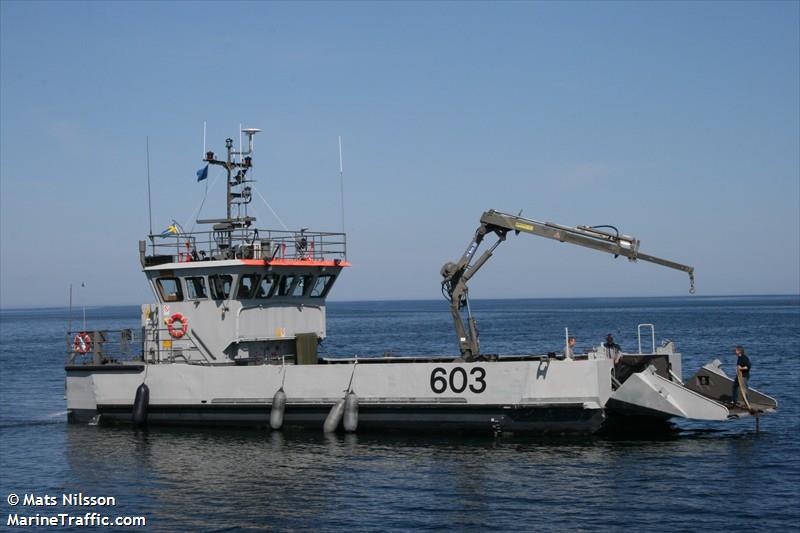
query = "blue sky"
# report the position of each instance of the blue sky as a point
(677, 122)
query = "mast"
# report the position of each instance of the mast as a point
(234, 235)
(237, 192)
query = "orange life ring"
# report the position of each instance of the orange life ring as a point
(82, 343)
(177, 333)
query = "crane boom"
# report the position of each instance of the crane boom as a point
(456, 275)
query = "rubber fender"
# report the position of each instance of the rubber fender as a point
(350, 420)
(277, 410)
(334, 417)
(140, 403)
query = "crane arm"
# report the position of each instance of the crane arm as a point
(456, 275)
(587, 236)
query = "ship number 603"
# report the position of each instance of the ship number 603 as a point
(458, 380)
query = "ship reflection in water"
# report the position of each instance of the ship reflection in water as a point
(228, 479)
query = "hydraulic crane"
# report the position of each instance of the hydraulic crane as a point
(456, 275)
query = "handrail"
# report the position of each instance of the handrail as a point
(652, 333)
(244, 243)
(105, 344)
(194, 334)
(176, 347)
(129, 345)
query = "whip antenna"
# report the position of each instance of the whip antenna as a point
(149, 200)
(69, 322)
(341, 180)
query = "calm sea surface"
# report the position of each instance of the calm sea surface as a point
(706, 476)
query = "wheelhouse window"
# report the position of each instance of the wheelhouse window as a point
(267, 286)
(247, 286)
(170, 289)
(196, 288)
(220, 286)
(302, 284)
(286, 284)
(296, 285)
(322, 285)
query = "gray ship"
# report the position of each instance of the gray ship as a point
(240, 313)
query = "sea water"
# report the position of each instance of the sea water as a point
(710, 476)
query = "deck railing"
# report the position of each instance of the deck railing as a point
(97, 347)
(103, 346)
(244, 243)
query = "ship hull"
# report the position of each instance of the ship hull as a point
(562, 419)
(533, 396)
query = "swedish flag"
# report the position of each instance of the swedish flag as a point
(172, 229)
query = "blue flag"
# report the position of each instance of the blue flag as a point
(202, 173)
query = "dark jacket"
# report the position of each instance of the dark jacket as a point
(744, 361)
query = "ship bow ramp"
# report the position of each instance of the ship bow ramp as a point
(647, 393)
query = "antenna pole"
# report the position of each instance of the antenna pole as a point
(239, 204)
(341, 180)
(83, 302)
(69, 322)
(204, 140)
(229, 147)
(149, 200)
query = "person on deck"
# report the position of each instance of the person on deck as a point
(569, 352)
(742, 365)
(612, 348)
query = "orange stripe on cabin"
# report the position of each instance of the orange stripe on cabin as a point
(295, 262)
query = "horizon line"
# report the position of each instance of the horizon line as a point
(684, 296)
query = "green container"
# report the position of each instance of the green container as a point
(307, 348)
